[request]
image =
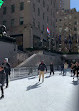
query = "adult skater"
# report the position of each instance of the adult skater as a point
(2, 79)
(41, 69)
(7, 69)
(76, 70)
(72, 69)
(51, 68)
(65, 68)
(62, 69)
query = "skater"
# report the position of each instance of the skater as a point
(7, 69)
(62, 69)
(65, 68)
(2, 79)
(41, 69)
(72, 67)
(51, 69)
(76, 70)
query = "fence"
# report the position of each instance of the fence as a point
(23, 72)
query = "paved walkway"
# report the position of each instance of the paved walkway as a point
(57, 93)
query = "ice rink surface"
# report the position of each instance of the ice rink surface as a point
(56, 93)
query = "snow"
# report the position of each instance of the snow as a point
(56, 93)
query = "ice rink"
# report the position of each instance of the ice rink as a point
(56, 93)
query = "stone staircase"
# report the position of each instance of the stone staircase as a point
(35, 59)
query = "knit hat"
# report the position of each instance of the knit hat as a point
(6, 59)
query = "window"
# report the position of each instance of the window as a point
(43, 3)
(33, 22)
(43, 28)
(43, 16)
(38, 12)
(39, 1)
(51, 12)
(75, 29)
(4, 22)
(47, 8)
(60, 20)
(51, 2)
(33, 7)
(22, 6)
(21, 20)
(12, 8)
(54, 5)
(47, 19)
(12, 22)
(75, 22)
(38, 24)
(51, 22)
(4, 10)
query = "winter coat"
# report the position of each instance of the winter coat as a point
(51, 67)
(2, 77)
(7, 68)
(65, 66)
(42, 67)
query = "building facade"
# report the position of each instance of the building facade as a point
(63, 4)
(27, 21)
(67, 30)
(66, 4)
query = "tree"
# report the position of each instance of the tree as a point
(1, 2)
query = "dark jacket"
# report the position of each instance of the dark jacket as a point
(2, 77)
(51, 67)
(7, 68)
(42, 67)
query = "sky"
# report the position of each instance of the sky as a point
(74, 4)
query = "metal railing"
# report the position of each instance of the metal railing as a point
(24, 72)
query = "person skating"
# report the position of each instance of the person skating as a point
(7, 69)
(62, 69)
(51, 69)
(65, 68)
(72, 67)
(76, 70)
(2, 79)
(41, 69)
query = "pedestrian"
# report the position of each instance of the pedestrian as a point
(7, 69)
(41, 69)
(62, 68)
(2, 79)
(51, 68)
(65, 68)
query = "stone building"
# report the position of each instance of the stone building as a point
(27, 21)
(63, 4)
(67, 31)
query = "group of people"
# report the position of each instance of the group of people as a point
(64, 68)
(4, 73)
(74, 69)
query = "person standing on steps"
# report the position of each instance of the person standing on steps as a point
(7, 69)
(51, 68)
(2, 79)
(41, 70)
